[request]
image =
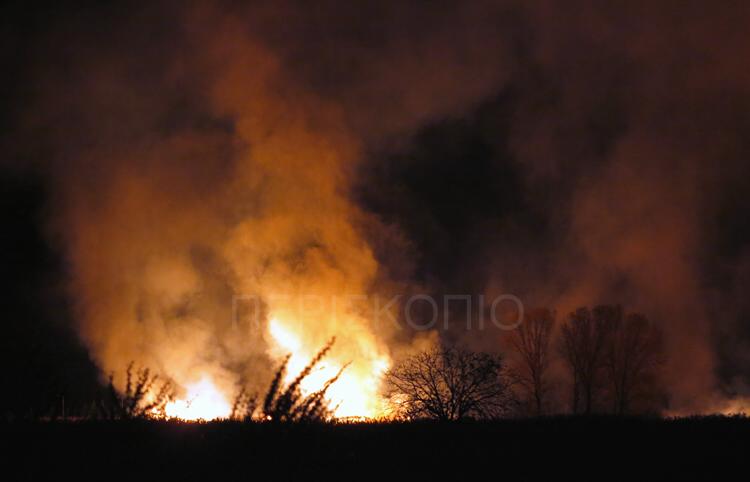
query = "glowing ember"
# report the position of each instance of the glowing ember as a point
(354, 394)
(203, 402)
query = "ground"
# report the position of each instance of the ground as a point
(586, 448)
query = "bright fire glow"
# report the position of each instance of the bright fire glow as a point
(203, 402)
(354, 394)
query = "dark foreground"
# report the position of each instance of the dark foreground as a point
(588, 448)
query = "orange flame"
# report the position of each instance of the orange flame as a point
(354, 394)
(203, 402)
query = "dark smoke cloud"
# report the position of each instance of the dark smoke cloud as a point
(619, 139)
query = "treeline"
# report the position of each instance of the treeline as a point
(599, 360)
(595, 360)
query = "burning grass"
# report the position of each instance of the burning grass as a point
(145, 396)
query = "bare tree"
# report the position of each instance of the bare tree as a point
(634, 351)
(531, 341)
(450, 384)
(582, 344)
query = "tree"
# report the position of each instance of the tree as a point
(531, 341)
(450, 384)
(634, 351)
(582, 343)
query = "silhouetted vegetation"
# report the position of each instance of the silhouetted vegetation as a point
(582, 348)
(144, 396)
(531, 341)
(244, 406)
(635, 351)
(612, 359)
(287, 403)
(450, 384)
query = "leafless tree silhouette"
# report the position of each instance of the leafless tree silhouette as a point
(531, 341)
(634, 351)
(450, 384)
(582, 346)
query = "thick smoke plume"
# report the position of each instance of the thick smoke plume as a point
(200, 153)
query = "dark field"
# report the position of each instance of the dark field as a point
(710, 448)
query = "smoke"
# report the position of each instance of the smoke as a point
(642, 213)
(195, 175)
(207, 156)
(619, 139)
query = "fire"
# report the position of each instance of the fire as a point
(203, 402)
(354, 394)
(735, 406)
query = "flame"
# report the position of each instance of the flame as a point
(203, 402)
(354, 394)
(735, 406)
